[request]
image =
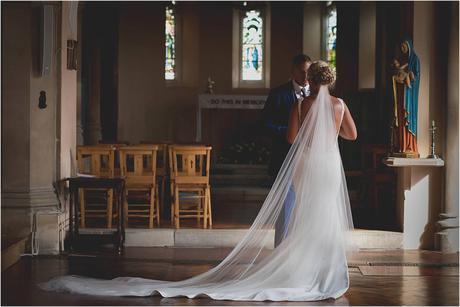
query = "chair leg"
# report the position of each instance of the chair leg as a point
(82, 208)
(201, 205)
(109, 208)
(152, 207)
(176, 208)
(172, 203)
(125, 209)
(209, 209)
(157, 204)
(162, 199)
(205, 209)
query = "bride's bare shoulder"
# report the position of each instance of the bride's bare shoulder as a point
(336, 102)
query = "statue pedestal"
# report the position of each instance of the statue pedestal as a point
(418, 185)
(409, 162)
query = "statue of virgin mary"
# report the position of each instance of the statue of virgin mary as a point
(406, 81)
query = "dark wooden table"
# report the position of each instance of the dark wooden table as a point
(117, 184)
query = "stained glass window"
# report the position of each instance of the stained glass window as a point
(331, 42)
(252, 46)
(170, 43)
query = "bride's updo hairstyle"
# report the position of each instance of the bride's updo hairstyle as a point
(321, 73)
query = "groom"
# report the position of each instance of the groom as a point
(275, 117)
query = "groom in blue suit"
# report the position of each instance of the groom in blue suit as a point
(275, 117)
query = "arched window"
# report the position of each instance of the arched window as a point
(251, 47)
(170, 43)
(331, 33)
(252, 38)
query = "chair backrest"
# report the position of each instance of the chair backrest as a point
(162, 160)
(170, 162)
(115, 145)
(162, 157)
(96, 160)
(190, 163)
(138, 164)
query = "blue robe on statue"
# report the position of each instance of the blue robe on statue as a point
(276, 118)
(411, 94)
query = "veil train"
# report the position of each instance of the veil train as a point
(309, 264)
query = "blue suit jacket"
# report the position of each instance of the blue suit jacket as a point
(275, 117)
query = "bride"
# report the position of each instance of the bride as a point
(310, 263)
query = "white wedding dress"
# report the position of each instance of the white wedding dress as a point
(309, 264)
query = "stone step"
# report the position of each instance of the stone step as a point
(239, 169)
(240, 194)
(12, 249)
(193, 237)
(257, 180)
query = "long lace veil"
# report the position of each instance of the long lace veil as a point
(316, 238)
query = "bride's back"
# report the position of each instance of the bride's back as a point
(337, 107)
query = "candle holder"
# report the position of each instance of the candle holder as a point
(210, 87)
(392, 142)
(433, 155)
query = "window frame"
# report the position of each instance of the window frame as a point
(324, 31)
(237, 80)
(177, 45)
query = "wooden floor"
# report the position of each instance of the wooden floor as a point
(377, 277)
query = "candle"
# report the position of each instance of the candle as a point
(432, 123)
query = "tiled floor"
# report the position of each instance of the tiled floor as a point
(377, 277)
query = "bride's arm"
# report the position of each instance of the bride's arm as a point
(293, 125)
(348, 127)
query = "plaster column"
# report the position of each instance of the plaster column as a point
(16, 63)
(68, 110)
(447, 236)
(29, 133)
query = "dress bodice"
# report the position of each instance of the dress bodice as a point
(341, 117)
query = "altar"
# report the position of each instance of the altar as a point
(211, 101)
(226, 120)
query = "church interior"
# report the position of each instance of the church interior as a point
(105, 105)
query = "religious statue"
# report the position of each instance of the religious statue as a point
(406, 80)
(210, 89)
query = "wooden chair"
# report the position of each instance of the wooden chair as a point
(171, 180)
(169, 147)
(96, 161)
(162, 169)
(138, 166)
(115, 145)
(190, 183)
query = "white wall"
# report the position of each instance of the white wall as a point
(312, 29)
